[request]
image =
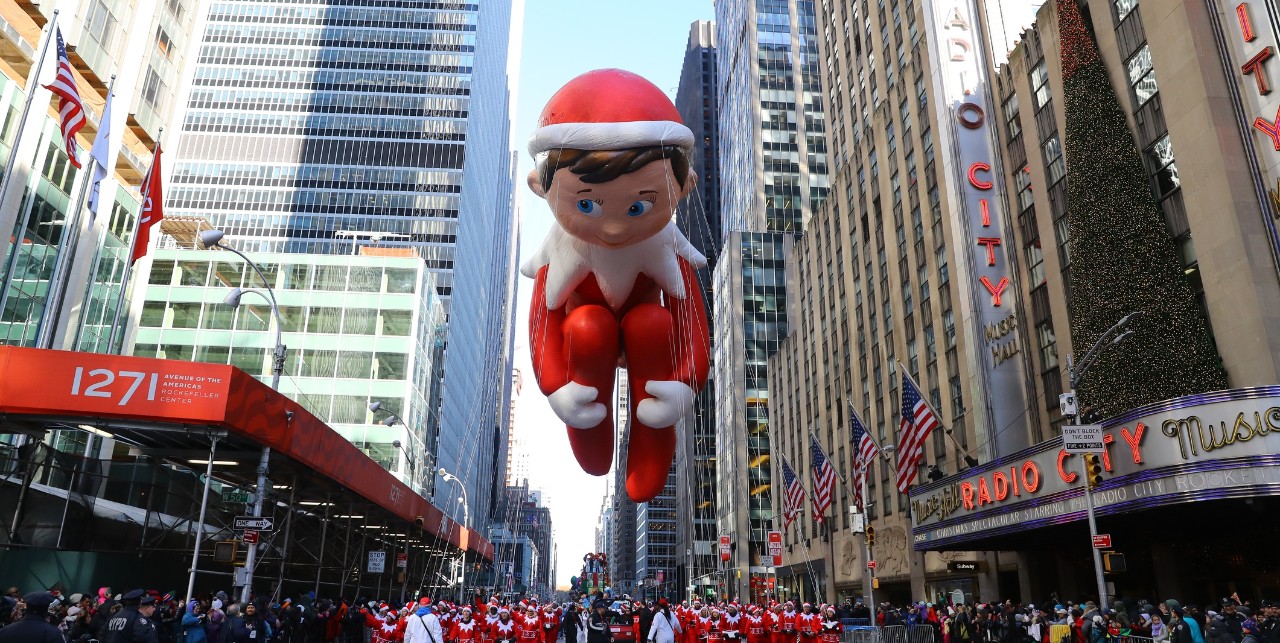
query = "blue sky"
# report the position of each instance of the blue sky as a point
(561, 39)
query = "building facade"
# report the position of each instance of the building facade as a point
(699, 219)
(772, 181)
(145, 48)
(358, 330)
(975, 182)
(621, 543)
(334, 130)
(888, 281)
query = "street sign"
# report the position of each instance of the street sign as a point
(250, 537)
(1102, 541)
(249, 522)
(237, 496)
(775, 547)
(871, 564)
(402, 560)
(377, 562)
(1085, 438)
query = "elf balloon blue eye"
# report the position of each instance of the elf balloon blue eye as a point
(638, 208)
(589, 207)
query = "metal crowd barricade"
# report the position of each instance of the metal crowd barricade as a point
(893, 634)
(921, 634)
(1130, 639)
(862, 634)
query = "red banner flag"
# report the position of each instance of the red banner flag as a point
(152, 208)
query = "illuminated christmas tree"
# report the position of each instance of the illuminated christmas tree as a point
(1122, 257)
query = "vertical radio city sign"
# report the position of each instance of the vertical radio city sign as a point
(970, 158)
(1246, 32)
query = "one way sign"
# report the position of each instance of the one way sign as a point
(249, 522)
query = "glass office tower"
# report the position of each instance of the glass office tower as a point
(771, 183)
(342, 128)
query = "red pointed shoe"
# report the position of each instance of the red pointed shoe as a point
(649, 456)
(593, 447)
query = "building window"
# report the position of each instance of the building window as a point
(1142, 78)
(1054, 165)
(153, 89)
(164, 43)
(1035, 263)
(1011, 120)
(101, 25)
(1161, 168)
(1040, 85)
(1022, 178)
(1123, 8)
(1048, 345)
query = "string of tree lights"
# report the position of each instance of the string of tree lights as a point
(1122, 257)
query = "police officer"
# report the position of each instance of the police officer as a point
(133, 623)
(34, 626)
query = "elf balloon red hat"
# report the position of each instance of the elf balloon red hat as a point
(609, 109)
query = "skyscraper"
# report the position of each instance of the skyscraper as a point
(773, 158)
(332, 129)
(699, 219)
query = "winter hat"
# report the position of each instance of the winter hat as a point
(1250, 625)
(217, 603)
(76, 598)
(73, 612)
(609, 109)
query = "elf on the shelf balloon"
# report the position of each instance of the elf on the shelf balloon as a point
(615, 284)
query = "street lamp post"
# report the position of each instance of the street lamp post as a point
(1071, 402)
(466, 520)
(213, 239)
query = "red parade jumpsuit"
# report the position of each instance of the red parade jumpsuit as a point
(830, 632)
(757, 630)
(660, 338)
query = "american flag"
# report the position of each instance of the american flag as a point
(70, 109)
(824, 479)
(864, 453)
(795, 494)
(917, 421)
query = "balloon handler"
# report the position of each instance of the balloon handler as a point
(614, 279)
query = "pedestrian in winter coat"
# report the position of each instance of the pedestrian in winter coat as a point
(193, 620)
(34, 626)
(571, 623)
(665, 625)
(1249, 631)
(598, 625)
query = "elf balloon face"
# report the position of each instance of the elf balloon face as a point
(614, 280)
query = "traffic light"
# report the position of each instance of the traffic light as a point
(871, 536)
(1092, 470)
(1113, 562)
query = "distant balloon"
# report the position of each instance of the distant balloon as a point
(614, 279)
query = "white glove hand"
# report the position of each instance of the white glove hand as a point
(576, 405)
(670, 401)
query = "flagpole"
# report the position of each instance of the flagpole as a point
(813, 578)
(33, 85)
(831, 530)
(864, 492)
(840, 476)
(129, 261)
(962, 453)
(53, 301)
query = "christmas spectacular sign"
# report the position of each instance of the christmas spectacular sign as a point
(1194, 448)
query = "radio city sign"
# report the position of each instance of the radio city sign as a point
(969, 155)
(1247, 33)
(1200, 447)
